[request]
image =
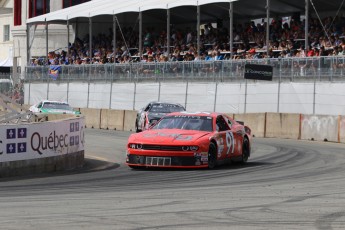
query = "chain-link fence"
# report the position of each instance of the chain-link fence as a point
(284, 69)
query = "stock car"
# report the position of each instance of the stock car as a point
(190, 140)
(154, 111)
(52, 107)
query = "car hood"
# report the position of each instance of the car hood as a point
(168, 136)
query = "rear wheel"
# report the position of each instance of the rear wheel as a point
(134, 167)
(245, 151)
(212, 156)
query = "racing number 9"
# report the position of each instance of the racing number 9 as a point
(230, 142)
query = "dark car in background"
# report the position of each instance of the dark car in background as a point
(153, 112)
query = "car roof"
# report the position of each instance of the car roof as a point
(56, 102)
(204, 114)
(164, 102)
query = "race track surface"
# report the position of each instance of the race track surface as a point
(286, 184)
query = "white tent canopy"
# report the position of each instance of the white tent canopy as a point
(112, 7)
(7, 62)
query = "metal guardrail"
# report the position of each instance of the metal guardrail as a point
(284, 69)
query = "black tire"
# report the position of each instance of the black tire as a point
(245, 151)
(212, 156)
(134, 167)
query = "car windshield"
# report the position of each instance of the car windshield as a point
(56, 105)
(166, 108)
(200, 123)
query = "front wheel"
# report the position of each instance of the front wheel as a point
(212, 156)
(245, 151)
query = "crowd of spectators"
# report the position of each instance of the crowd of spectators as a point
(285, 40)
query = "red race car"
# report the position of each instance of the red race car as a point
(190, 140)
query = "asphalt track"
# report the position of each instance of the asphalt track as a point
(287, 184)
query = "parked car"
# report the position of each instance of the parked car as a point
(190, 140)
(153, 112)
(52, 107)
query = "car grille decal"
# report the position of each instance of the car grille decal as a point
(158, 161)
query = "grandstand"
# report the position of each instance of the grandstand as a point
(194, 41)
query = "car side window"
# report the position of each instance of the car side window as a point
(147, 108)
(229, 122)
(222, 124)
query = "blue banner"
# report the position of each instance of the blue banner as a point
(54, 71)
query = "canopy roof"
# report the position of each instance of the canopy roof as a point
(215, 8)
(7, 62)
(112, 7)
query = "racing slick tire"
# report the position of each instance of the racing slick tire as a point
(245, 151)
(212, 156)
(134, 167)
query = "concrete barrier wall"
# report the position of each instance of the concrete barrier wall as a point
(320, 128)
(43, 165)
(129, 120)
(282, 125)
(52, 117)
(255, 121)
(272, 125)
(112, 119)
(92, 118)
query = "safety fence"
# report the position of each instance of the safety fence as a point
(284, 69)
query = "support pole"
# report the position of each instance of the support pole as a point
(306, 26)
(90, 38)
(198, 30)
(140, 34)
(268, 26)
(231, 35)
(68, 51)
(168, 32)
(47, 61)
(27, 44)
(114, 36)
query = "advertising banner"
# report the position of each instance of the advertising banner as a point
(40, 140)
(258, 72)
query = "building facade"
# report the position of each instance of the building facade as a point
(18, 11)
(6, 24)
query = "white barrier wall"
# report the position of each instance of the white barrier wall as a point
(230, 98)
(99, 96)
(330, 98)
(227, 97)
(297, 98)
(173, 92)
(122, 96)
(41, 140)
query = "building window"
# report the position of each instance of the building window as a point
(6, 33)
(68, 3)
(17, 12)
(38, 7)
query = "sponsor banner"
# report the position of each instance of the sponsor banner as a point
(258, 72)
(39, 140)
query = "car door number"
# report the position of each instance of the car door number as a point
(230, 142)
